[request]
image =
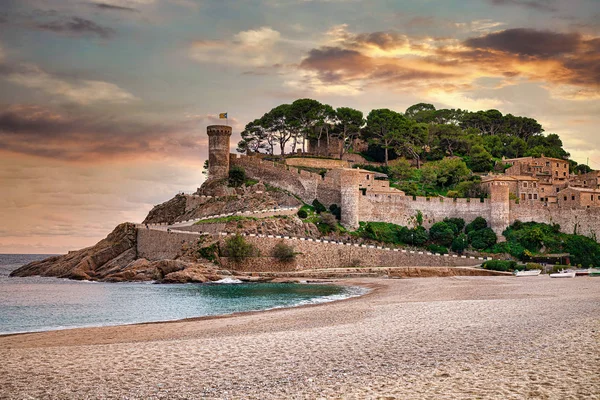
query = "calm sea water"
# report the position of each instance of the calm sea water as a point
(37, 304)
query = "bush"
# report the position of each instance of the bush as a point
(417, 236)
(457, 224)
(442, 233)
(434, 248)
(483, 238)
(209, 252)
(328, 223)
(514, 249)
(283, 252)
(302, 213)
(383, 232)
(499, 265)
(460, 243)
(475, 225)
(237, 176)
(237, 248)
(319, 207)
(336, 210)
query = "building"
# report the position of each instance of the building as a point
(522, 187)
(590, 180)
(577, 197)
(552, 173)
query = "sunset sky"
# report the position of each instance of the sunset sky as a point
(104, 105)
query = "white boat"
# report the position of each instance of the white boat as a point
(531, 272)
(563, 274)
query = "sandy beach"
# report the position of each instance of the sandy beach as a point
(431, 338)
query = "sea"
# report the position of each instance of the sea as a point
(34, 304)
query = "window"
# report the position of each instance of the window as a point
(522, 196)
(547, 163)
(535, 196)
(556, 165)
(565, 198)
(542, 189)
(592, 197)
(555, 173)
(584, 182)
(573, 198)
(530, 196)
(524, 184)
(564, 174)
(557, 190)
(367, 177)
(534, 184)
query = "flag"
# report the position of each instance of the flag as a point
(223, 116)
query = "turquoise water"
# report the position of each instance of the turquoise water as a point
(38, 304)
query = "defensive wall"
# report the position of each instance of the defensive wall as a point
(155, 244)
(306, 185)
(326, 163)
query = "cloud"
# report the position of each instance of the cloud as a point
(528, 42)
(82, 91)
(113, 7)
(94, 137)
(537, 5)
(255, 48)
(76, 26)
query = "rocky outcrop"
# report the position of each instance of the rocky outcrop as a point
(167, 211)
(115, 259)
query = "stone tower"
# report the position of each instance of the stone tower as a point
(349, 188)
(500, 208)
(218, 151)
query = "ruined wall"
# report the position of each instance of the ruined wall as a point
(306, 185)
(401, 210)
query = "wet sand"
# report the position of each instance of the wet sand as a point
(430, 338)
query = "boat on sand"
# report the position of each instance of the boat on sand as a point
(563, 274)
(531, 272)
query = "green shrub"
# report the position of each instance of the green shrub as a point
(237, 176)
(475, 225)
(417, 236)
(434, 248)
(283, 252)
(514, 249)
(319, 208)
(336, 210)
(483, 238)
(382, 232)
(457, 224)
(460, 243)
(209, 252)
(442, 233)
(328, 223)
(237, 248)
(499, 265)
(302, 213)
(530, 266)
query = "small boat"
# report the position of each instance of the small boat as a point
(594, 272)
(582, 272)
(563, 274)
(531, 272)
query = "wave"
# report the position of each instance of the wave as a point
(227, 281)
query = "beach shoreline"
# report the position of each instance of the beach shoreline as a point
(457, 337)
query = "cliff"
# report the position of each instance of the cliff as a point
(115, 259)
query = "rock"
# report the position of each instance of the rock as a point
(167, 211)
(189, 275)
(87, 263)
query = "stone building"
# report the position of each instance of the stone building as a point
(590, 180)
(552, 173)
(577, 197)
(522, 187)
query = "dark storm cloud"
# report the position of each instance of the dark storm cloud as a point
(35, 130)
(528, 42)
(76, 26)
(539, 5)
(111, 7)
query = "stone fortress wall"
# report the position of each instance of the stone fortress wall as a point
(341, 187)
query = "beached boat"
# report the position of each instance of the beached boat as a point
(594, 272)
(531, 272)
(563, 274)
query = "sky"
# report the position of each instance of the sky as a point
(104, 104)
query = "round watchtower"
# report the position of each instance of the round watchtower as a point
(218, 151)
